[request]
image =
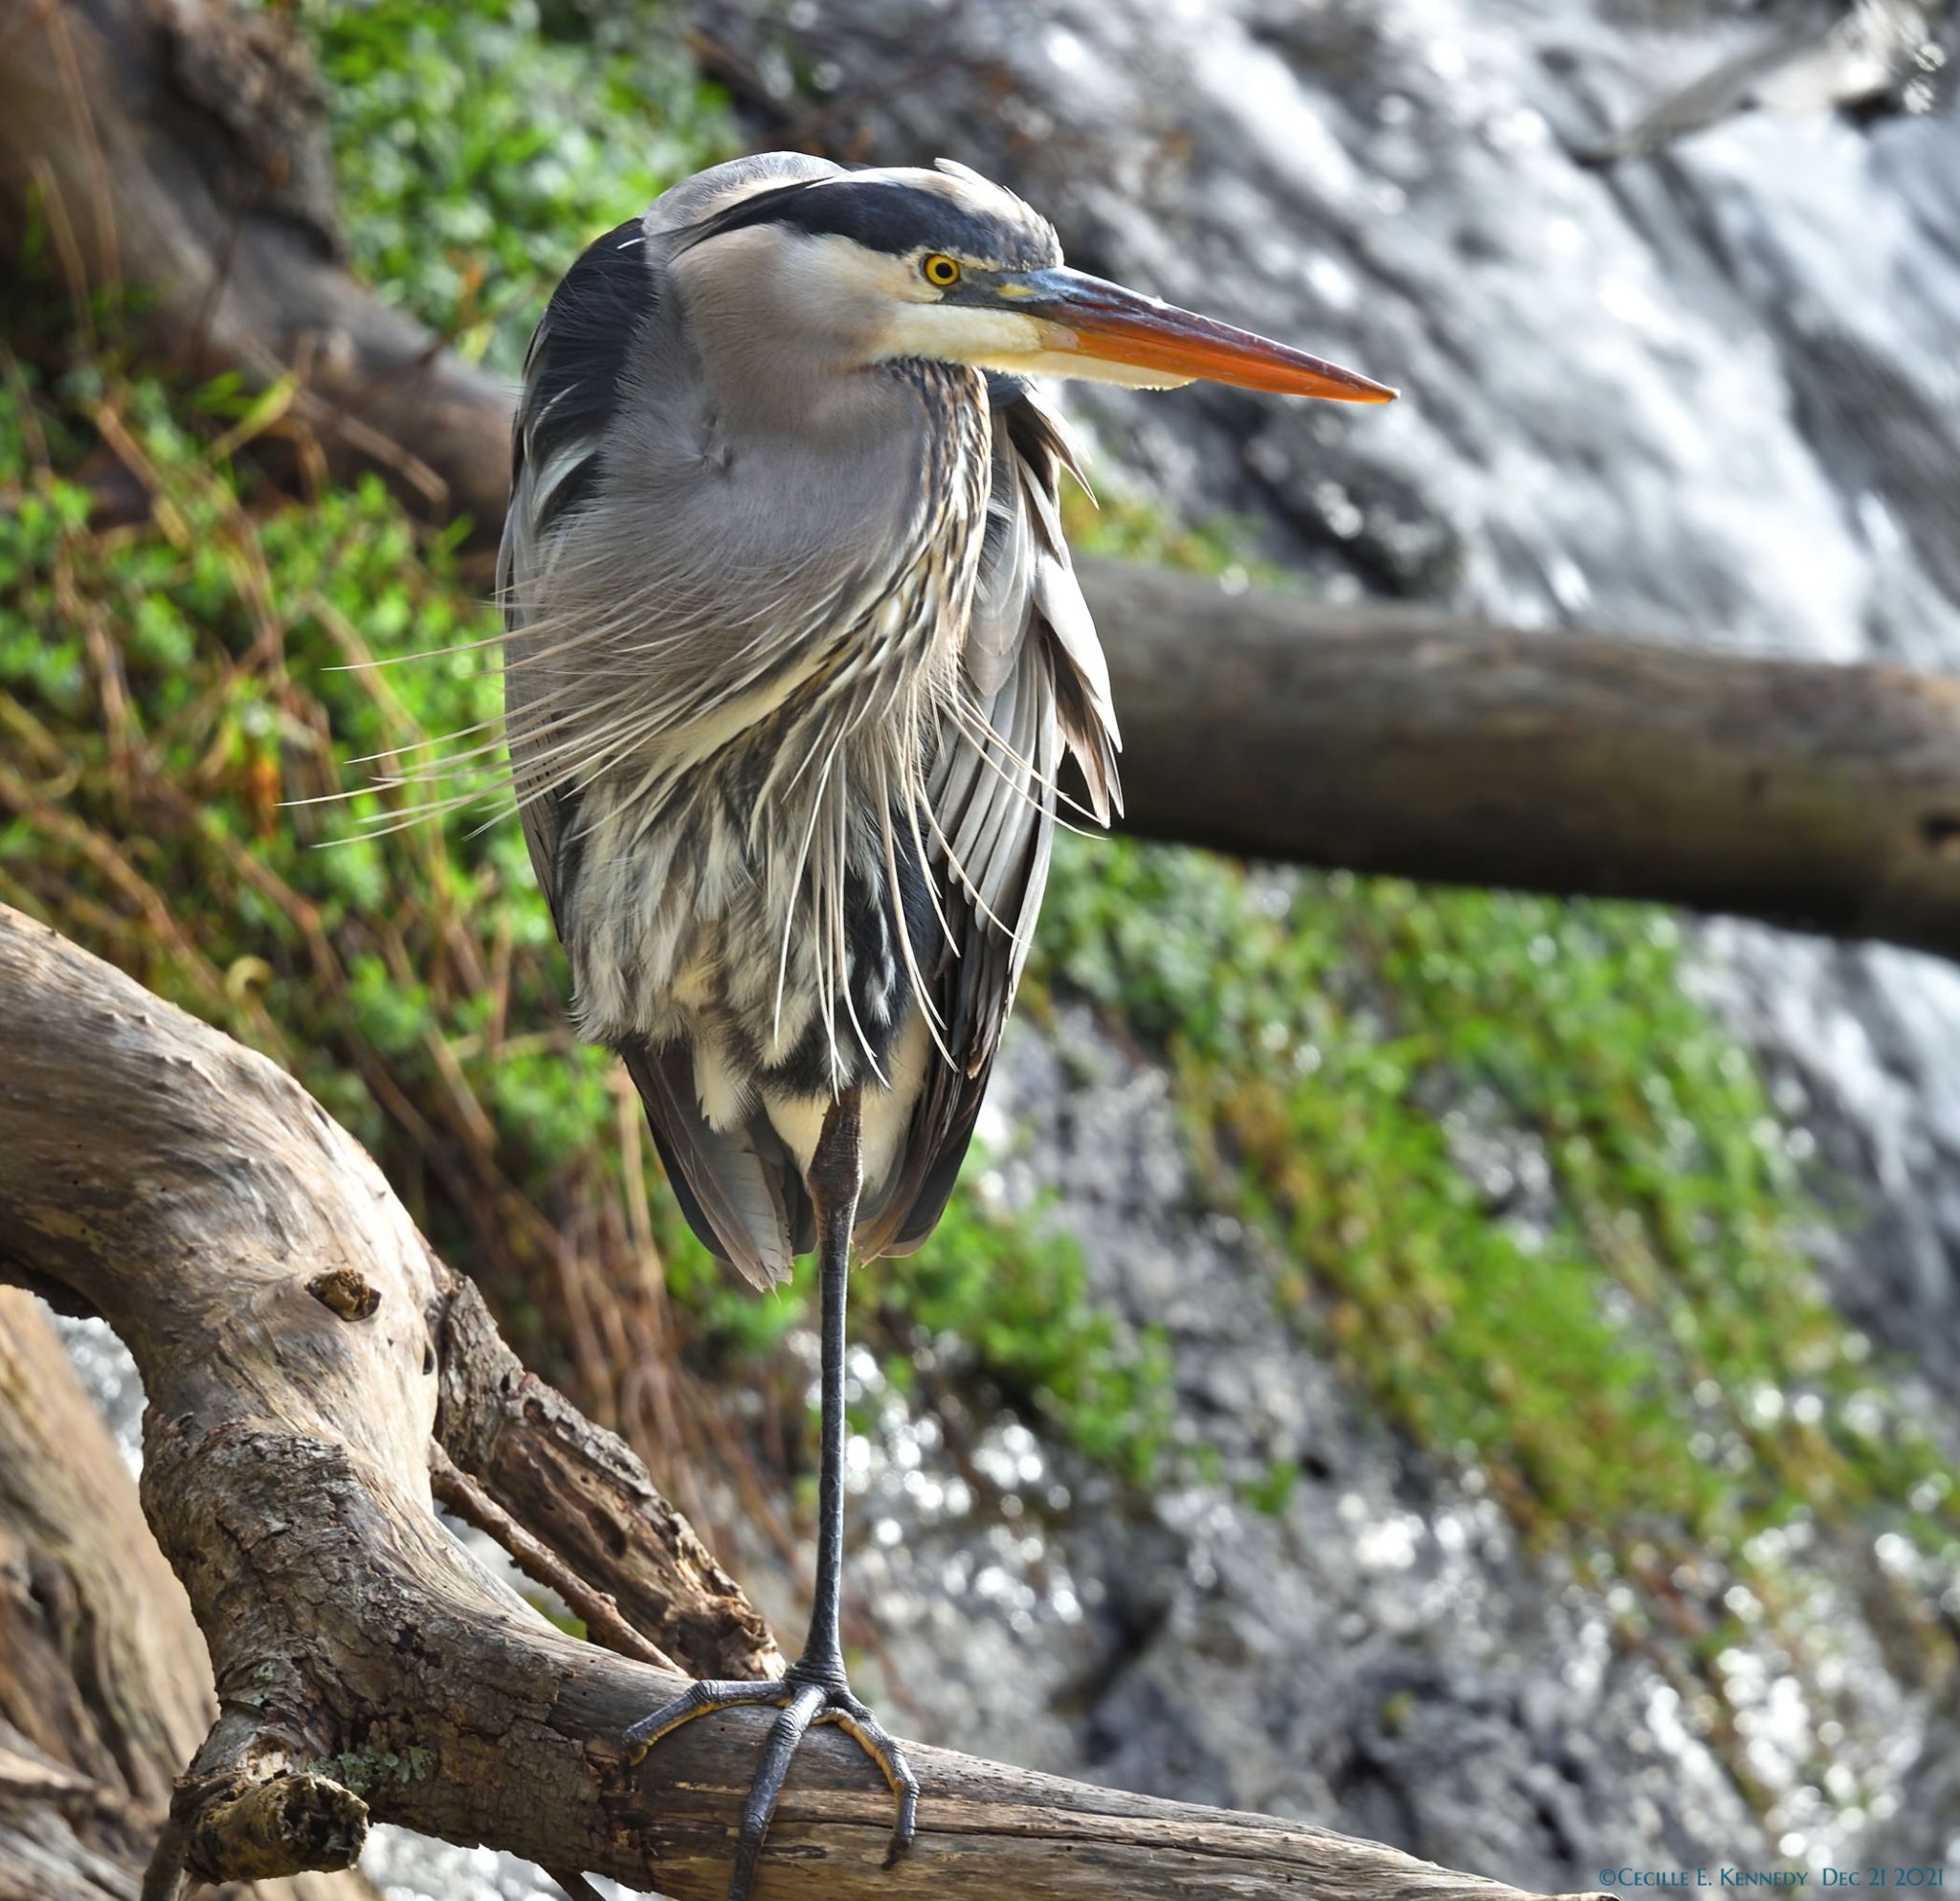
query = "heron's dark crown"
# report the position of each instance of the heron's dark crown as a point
(890, 212)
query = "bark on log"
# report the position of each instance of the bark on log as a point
(191, 1193)
(105, 1688)
(1399, 739)
(1378, 738)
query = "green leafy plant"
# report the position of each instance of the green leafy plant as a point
(478, 145)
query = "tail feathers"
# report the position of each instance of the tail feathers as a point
(740, 1189)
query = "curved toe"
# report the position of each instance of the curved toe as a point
(804, 1705)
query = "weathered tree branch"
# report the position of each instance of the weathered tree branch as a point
(1377, 738)
(192, 1195)
(105, 1688)
(590, 1500)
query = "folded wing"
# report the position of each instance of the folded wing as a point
(1037, 694)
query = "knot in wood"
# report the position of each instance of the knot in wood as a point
(346, 1292)
(286, 1825)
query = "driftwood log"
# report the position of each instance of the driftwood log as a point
(303, 1350)
(104, 1687)
(178, 146)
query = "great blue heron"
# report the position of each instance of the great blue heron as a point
(794, 657)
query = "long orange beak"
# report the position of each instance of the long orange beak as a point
(1117, 325)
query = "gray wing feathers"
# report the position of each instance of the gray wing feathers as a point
(738, 1189)
(540, 812)
(1029, 595)
(1039, 683)
(1082, 703)
(517, 555)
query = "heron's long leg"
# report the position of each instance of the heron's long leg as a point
(813, 1689)
(835, 1178)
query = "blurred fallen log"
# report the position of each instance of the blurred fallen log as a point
(177, 149)
(1400, 739)
(301, 1347)
(1375, 738)
(1874, 57)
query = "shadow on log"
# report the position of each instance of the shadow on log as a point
(190, 1192)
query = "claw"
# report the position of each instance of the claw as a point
(804, 1705)
(871, 1736)
(700, 1699)
(785, 1734)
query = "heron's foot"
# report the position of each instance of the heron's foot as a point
(805, 1700)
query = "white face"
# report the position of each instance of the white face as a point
(774, 291)
(914, 318)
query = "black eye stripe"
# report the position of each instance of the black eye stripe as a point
(884, 215)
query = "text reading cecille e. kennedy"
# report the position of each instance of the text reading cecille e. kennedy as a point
(1876, 1875)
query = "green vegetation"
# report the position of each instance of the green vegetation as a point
(166, 689)
(1641, 1362)
(1120, 524)
(1645, 1358)
(475, 143)
(1016, 1297)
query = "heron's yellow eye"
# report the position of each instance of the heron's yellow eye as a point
(940, 270)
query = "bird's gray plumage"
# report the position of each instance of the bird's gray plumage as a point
(790, 682)
(794, 657)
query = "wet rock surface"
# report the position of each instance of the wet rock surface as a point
(1376, 1653)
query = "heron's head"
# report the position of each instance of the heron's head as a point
(944, 264)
